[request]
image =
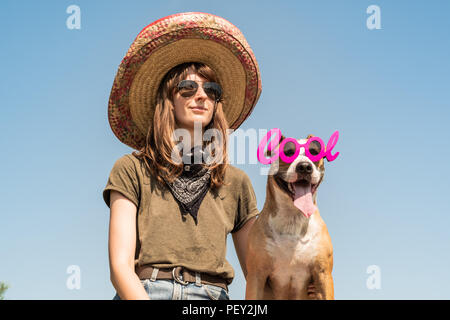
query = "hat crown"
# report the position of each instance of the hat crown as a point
(183, 21)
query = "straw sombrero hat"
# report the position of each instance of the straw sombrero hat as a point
(167, 42)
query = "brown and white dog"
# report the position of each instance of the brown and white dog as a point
(289, 248)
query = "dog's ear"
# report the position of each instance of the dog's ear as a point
(268, 153)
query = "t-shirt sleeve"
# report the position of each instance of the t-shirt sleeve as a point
(247, 207)
(123, 178)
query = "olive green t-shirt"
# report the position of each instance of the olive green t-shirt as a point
(165, 237)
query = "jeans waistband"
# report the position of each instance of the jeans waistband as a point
(180, 275)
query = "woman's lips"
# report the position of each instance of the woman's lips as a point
(198, 109)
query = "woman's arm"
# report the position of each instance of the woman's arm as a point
(240, 239)
(122, 246)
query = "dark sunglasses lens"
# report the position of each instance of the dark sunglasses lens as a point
(213, 90)
(187, 88)
(314, 147)
(289, 149)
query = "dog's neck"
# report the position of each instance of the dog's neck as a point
(285, 218)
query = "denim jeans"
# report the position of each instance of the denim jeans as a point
(172, 290)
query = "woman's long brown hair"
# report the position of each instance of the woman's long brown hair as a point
(157, 152)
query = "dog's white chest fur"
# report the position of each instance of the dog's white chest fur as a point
(293, 246)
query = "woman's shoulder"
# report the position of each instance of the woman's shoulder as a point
(126, 161)
(235, 175)
(134, 166)
(129, 162)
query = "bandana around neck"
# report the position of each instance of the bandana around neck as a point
(191, 187)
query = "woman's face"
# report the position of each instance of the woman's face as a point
(197, 108)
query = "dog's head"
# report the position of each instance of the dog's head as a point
(300, 178)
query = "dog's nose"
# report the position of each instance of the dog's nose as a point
(304, 167)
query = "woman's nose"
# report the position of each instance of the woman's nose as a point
(200, 94)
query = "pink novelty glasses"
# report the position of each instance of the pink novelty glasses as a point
(314, 148)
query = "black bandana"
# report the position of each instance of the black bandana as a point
(191, 187)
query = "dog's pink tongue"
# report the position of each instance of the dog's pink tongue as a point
(303, 199)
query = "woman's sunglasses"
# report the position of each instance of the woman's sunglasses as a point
(187, 88)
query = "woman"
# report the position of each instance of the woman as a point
(171, 210)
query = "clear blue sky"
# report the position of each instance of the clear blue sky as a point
(385, 199)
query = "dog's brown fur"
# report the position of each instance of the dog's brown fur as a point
(287, 251)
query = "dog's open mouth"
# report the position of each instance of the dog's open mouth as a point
(302, 183)
(302, 192)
